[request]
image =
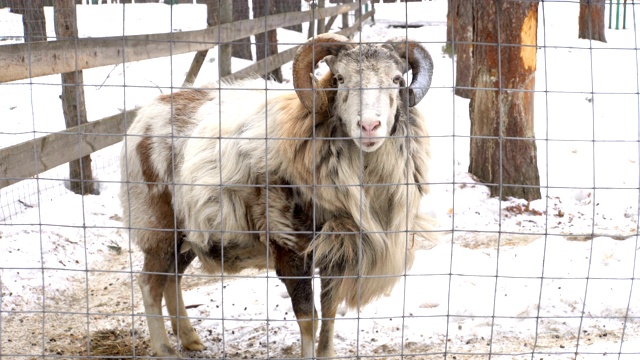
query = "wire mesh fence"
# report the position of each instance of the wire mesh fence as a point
(547, 278)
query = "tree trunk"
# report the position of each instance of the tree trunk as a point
(503, 149)
(284, 6)
(267, 43)
(241, 47)
(460, 36)
(73, 105)
(591, 20)
(33, 20)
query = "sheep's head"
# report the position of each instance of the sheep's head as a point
(365, 85)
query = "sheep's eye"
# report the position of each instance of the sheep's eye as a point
(340, 79)
(397, 79)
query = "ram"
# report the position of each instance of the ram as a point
(328, 177)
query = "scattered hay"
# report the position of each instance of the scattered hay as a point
(117, 343)
(112, 344)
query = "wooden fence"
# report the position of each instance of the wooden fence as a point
(21, 61)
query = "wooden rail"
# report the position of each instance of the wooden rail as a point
(23, 61)
(30, 158)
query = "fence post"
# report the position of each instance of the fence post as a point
(312, 23)
(345, 17)
(359, 17)
(241, 48)
(224, 50)
(266, 42)
(73, 105)
(320, 24)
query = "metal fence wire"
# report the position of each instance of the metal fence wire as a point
(494, 275)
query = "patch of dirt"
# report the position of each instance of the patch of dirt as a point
(100, 313)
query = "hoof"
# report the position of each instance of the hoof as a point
(194, 346)
(192, 341)
(165, 351)
(330, 354)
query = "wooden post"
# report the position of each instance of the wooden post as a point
(224, 50)
(591, 20)
(345, 17)
(73, 105)
(359, 17)
(284, 6)
(373, 8)
(266, 43)
(330, 22)
(320, 30)
(503, 149)
(242, 47)
(313, 7)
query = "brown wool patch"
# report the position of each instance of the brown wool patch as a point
(144, 150)
(185, 102)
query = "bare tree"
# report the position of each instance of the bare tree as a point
(591, 20)
(503, 150)
(73, 105)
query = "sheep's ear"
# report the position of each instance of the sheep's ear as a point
(330, 60)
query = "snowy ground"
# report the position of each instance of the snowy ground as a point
(555, 279)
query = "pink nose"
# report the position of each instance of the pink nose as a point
(369, 127)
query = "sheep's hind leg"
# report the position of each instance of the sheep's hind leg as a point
(175, 306)
(152, 282)
(295, 272)
(329, 307)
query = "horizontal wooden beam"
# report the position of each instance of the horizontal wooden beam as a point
(23, 61)
(30, 158)
(273, 62)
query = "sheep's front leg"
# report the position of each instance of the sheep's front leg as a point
(329, 307)
(152, 283)
(175, 306)
(295, 272)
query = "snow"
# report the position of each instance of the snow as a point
(553, 279)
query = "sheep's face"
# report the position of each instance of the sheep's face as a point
(368, 80)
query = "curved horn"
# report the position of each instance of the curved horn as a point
(308, 55)
(421, 64)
